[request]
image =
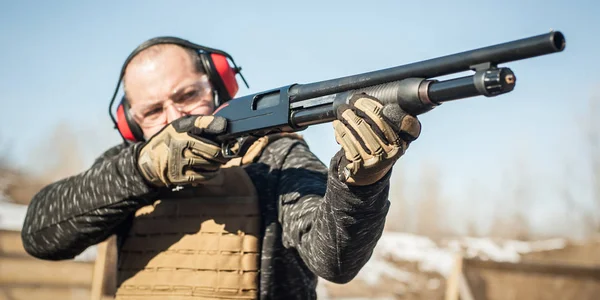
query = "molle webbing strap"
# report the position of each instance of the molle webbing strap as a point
(202, 246)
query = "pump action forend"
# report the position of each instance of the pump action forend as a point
(294, 107)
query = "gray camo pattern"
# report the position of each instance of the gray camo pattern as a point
(313, 224)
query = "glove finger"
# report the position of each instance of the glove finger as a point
(193, 176)
(215, 155)
(201, 164)
(349, 144)
(366, 137)
(200, 125)
(203, 148)
(371, 111)
(407, 126)
(209, 125)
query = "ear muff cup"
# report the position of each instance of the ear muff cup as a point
(125, 123)
(221, 74)
(225, 74)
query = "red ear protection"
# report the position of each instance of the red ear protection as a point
(128, 128)
(122, 125)
(225, 74)
(216, 64)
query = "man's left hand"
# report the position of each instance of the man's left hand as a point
(373, 136)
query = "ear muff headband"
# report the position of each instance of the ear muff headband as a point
(215, 63)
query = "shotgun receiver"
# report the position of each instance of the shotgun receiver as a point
(294, 107)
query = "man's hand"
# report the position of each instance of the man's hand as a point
(373, 136)
(181, 153)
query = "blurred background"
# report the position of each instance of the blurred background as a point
(524, 166)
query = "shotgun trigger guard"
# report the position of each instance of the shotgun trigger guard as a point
(231, 149)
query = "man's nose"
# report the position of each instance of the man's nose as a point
(172, 113)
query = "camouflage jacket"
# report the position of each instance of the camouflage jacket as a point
(313, 224)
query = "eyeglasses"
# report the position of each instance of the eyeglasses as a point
(184, 100)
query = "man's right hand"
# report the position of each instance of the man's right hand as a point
(181, 153)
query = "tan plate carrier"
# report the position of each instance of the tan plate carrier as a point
(205, 246)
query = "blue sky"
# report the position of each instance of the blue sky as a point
(60, 62)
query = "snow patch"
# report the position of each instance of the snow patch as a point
(502, 250)
(430, 256)
(12, 216)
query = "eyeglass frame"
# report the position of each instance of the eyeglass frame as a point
(203, 82)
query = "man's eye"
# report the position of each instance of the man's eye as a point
(188, 96)
(153, 112)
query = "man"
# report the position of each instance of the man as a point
(192, 223)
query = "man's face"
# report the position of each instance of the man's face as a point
(164, 86)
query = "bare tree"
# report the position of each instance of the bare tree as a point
(584, 213)
(398, 216)
(7, 174)
(59, 155)
(510, 218)
(54, 158)
(4, 152)
(429, 212)
(593, 141)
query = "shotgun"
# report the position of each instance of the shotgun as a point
(413, 86)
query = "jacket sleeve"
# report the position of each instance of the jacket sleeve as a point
(333, 226)
(68, 216)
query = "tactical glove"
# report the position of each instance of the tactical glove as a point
(181, 153)
(373, 136)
